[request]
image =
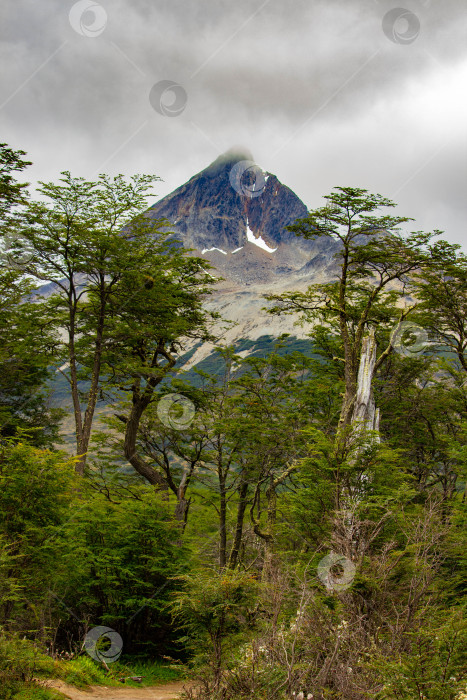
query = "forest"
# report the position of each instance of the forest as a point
(289, 525)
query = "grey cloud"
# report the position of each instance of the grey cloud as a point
(319, 80)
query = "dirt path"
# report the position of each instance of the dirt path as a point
(168, 691)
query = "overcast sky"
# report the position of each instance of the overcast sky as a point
(367, 93)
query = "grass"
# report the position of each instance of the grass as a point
(83, 672)
(35, 692)
(153, 672)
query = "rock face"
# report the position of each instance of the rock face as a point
(238, 223)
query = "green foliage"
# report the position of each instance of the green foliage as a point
(434, 666)
(35, 489)
(69, 555)
(12, 193)
(152, 672)
(203, 543)
(35, 498)
(213, 602)
(442, 291)
(212, 608)
(372, 253)
(25, 340)
(121, 567)
(82, 672)
(143, 294)
(24, 363)
(20, 660)
(35, 692)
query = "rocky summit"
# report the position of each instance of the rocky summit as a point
(235, 215)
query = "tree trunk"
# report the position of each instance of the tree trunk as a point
(93, 390)
(140, 402)
(183, 504)
(83, 425)
(271, 498)
(222, 522)
(79, 467)
(131, 433)
(365, 416)
(242, 503)
(267, 535)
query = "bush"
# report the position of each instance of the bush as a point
(36, 493)
(213, 608)
(122, 559)
(435, 666)
(20, 660)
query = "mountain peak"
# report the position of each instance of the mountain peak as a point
(228, 159)
(243, 232)
(234, 154)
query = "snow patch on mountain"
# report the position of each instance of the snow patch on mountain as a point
(260, 242)
(208, 250)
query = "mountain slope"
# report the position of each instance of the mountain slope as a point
(241, 231)
(243, 235)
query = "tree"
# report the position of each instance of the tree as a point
(272, 396)
(438, 401)
(25, 347)
(152, 326)
(120, 289)
(375, 264)
(12, 193)
(237, 471)
(442, 294)
(24, 342)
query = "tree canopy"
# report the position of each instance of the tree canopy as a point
(290, 523)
